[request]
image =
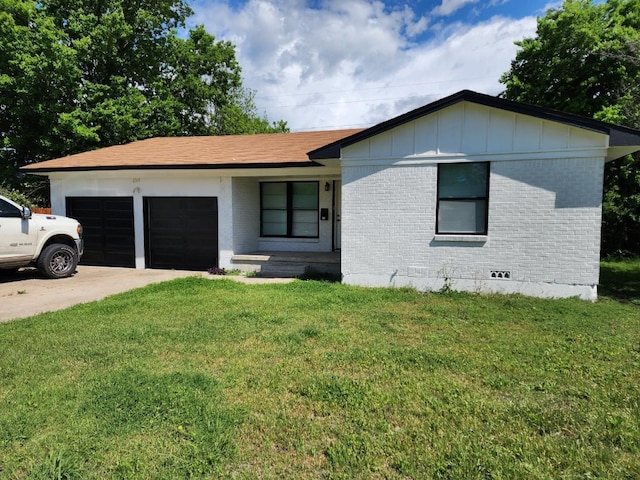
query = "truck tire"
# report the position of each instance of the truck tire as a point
(58, 261)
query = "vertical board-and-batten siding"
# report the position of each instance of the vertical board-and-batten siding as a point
(544, 205)
(468, 129)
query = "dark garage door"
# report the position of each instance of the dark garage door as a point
(181, 232)
(109, 237)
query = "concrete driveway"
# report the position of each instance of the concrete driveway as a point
(28, 293)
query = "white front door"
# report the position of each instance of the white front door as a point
(337, 214)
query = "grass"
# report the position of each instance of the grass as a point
(201, 378)
(620, 279)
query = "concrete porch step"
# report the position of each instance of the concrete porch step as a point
(282, 269)
(287, 264)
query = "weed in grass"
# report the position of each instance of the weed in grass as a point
(343, 393)
(57, 465)
(352, 454)
(299, 337)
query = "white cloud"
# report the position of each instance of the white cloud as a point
(447, 7)
(357, 63)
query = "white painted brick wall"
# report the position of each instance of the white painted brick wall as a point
(544, 227)
(246, 215)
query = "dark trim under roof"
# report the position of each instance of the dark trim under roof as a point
(619, 136)
(207, 166)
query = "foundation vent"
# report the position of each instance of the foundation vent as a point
(500, 274)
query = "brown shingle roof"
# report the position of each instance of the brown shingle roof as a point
(232, 151)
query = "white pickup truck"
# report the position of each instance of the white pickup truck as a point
(51, 243)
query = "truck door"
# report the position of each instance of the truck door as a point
(17, 235)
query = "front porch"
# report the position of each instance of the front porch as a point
(287, 264)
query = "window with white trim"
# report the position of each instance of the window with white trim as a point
(289, 209)
(463, 198)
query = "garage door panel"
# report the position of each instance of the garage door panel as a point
(197, 226)
(120, 223)
(181, 232)
(167, 225)
(118, 243)
(108, 225)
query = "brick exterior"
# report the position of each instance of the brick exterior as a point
(545, 194)
(544, 229)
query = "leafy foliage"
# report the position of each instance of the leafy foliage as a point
(585, 60)
(79, 74)
(18, 197)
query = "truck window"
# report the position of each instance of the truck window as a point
(8, 210)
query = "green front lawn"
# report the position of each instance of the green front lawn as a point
(215, 379)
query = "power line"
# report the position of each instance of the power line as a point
(335, 103)
(382, 87)
(347, 102)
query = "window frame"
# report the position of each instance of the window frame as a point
(484, 198)
(290, 209)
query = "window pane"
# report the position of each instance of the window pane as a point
(274, 222)
(305, 223)
(274, 195)
(8, 210)
(462, 216)
(289, 209)
(276, 188)
(466, 180)
(305, 195)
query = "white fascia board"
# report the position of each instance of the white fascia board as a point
(613, 153)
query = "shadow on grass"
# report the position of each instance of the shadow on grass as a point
(620, 280)
(311, 274)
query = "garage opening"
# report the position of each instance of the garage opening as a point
(181, 232)
(109, 236)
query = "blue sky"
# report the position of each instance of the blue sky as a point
(327, 64)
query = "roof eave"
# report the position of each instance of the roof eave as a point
(614, 153)
(226, 166)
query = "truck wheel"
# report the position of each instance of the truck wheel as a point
(58, 261)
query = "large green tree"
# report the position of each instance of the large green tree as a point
(83, 74)
(585, 59)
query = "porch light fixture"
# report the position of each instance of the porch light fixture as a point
(327, 186)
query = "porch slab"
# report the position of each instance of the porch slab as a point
(287, 264)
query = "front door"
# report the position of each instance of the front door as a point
(337, 214)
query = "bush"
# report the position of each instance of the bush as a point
(16, 196)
